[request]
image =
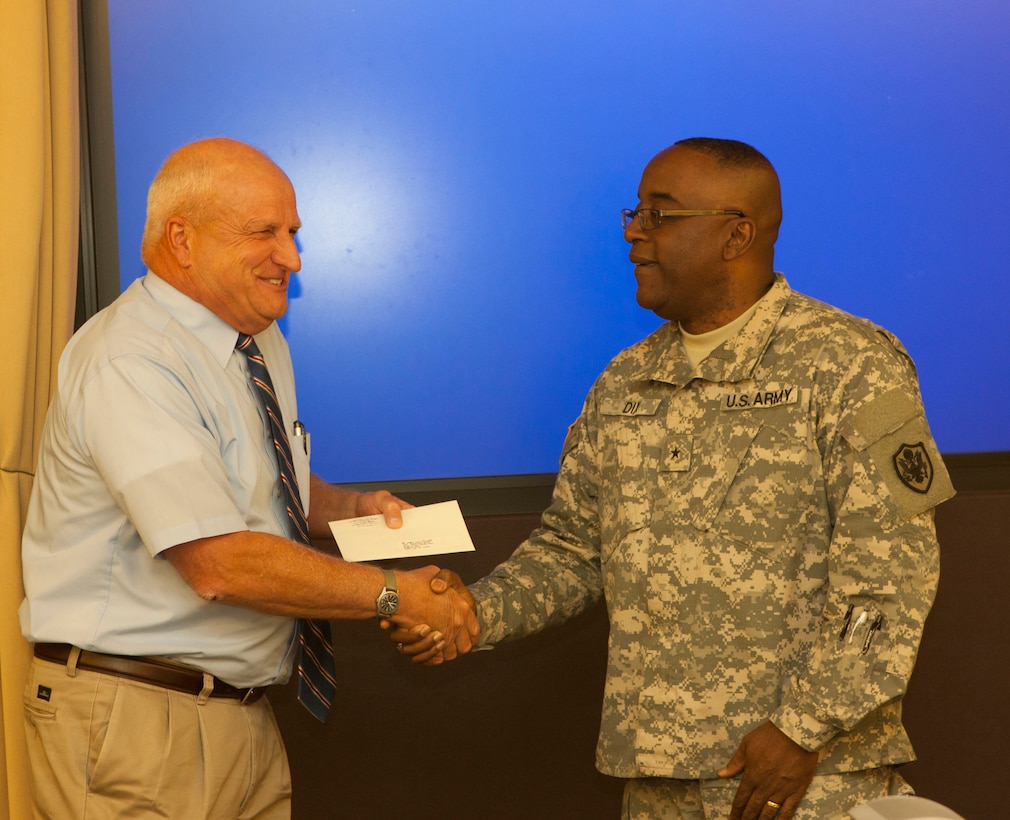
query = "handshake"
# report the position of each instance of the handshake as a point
(436, 620)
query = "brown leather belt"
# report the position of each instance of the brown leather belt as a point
(147, 670)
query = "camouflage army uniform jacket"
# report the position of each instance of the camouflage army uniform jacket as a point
(762, 531)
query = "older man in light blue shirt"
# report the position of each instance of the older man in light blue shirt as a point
(118, 431)
(163, 580)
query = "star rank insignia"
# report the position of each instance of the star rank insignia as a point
(678, 453)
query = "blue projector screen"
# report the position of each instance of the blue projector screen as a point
(460, 168)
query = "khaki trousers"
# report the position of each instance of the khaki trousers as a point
(103, 747)
(829, 797)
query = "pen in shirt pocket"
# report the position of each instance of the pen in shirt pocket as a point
(301, 435)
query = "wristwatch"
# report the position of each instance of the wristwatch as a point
(389, 598)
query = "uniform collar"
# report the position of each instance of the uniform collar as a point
(733, 361)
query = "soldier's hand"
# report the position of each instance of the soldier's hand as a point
(776, 775)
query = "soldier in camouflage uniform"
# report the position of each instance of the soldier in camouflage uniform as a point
(751, 489)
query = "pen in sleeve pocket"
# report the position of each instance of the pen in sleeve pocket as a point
(874, 627)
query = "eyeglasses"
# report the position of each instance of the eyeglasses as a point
(649, 218)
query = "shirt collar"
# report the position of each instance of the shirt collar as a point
(736, 358)
(216, 334)
(733, 361)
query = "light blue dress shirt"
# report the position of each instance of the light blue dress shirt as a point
(155, 438)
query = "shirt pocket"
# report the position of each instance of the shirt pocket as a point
(755, 481)
(299, 440)
(631, 448)
(746, 524)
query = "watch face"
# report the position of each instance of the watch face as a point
(388, 602)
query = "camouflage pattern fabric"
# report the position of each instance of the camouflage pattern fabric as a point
(762, 530)
(829, 797)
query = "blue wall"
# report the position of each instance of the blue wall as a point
(460, 168)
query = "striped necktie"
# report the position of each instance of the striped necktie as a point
(316, 673)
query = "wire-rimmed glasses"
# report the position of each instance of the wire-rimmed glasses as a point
(650, 218)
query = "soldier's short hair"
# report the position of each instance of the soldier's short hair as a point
(729, 153)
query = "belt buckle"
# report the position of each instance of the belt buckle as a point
(248, 695)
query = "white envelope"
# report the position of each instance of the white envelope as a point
(434, 529)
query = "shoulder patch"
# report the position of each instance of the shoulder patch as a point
(573, 437)
(913, 466)
(892, 437)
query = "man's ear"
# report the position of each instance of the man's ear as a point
(740, 239)
(179, 240)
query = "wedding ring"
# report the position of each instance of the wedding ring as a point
(773, 804)
(399, 648)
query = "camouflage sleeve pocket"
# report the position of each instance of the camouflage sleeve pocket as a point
(893, 441)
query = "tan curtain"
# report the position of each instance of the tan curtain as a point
(39, 185)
